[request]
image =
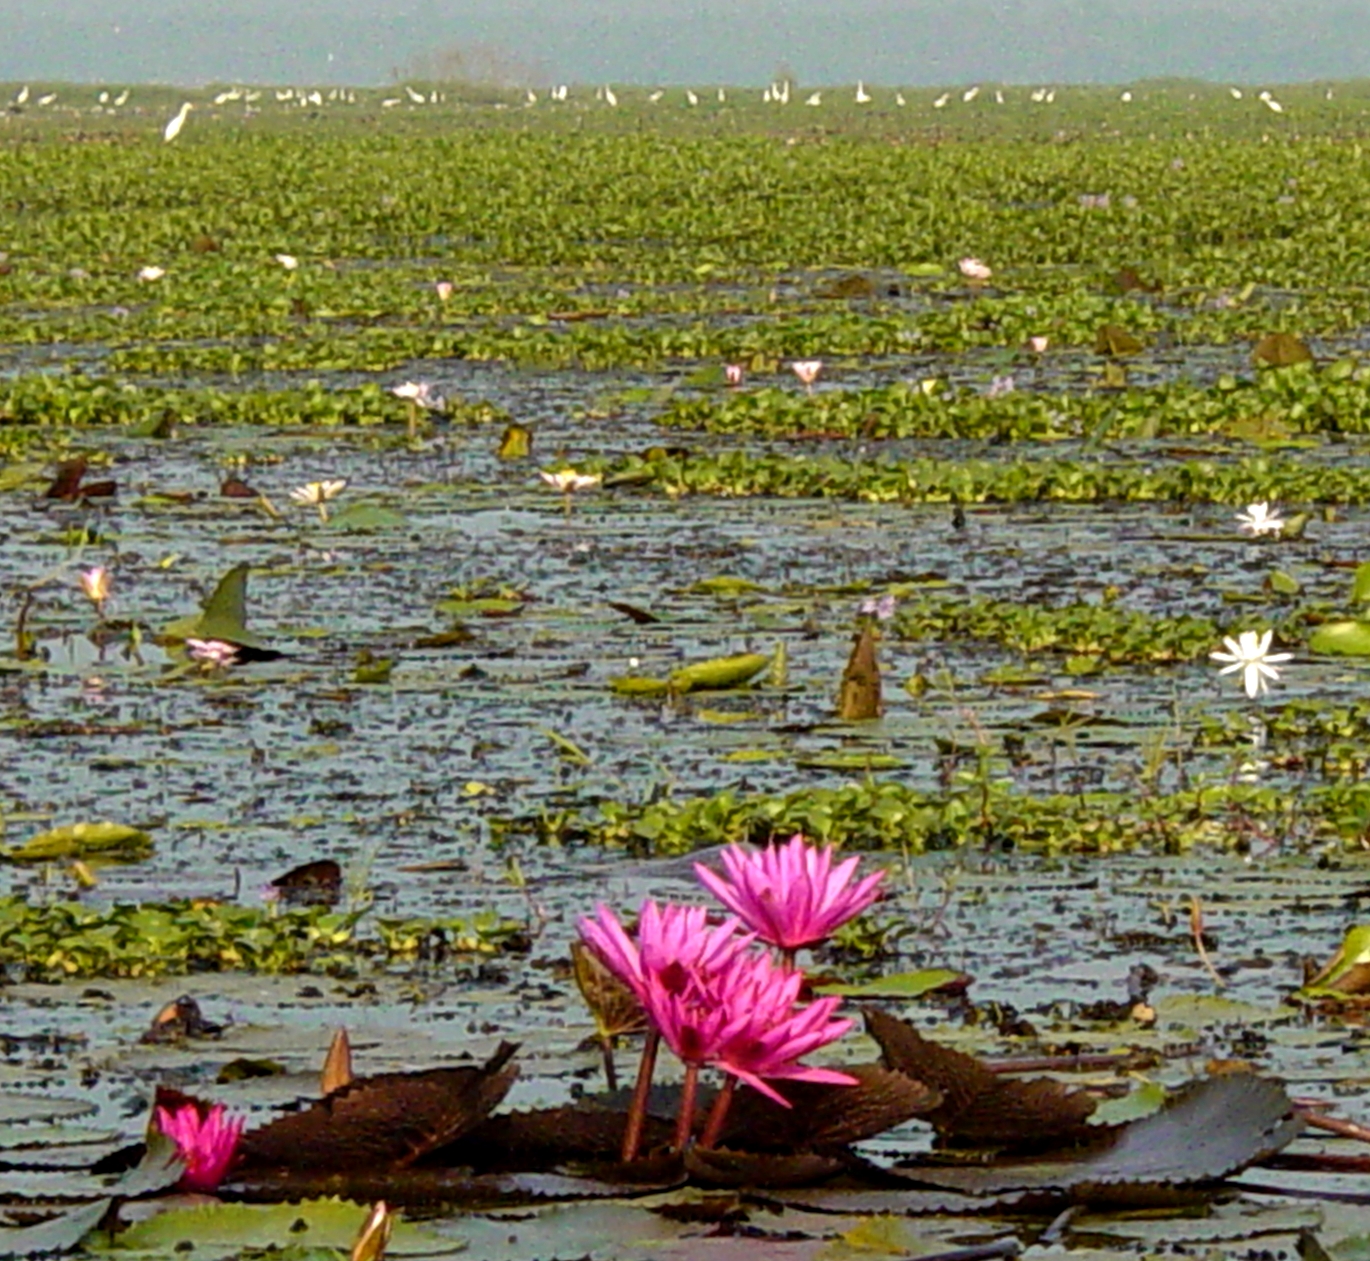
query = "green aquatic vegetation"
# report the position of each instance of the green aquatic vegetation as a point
(1216, 480)
(1271, 404)
(59, 940)
(980, 811)
(1106, 631)
(76, 400)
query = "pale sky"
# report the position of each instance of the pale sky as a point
(913, 42)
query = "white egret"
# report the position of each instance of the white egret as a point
(609, 97)
(48, 99)
(417, 98)
(691, 97)
(122, 98)
(284, 94)
(655, 96)
(1051, 97)
(315, 97)
(1272, 104)
(970, 94)
(1037, 95)
(782, 93)
(998, 96)
(1126, 97)
(173, 128)
(390, 102)
(941, 101)
(722, 96)
(530, 97)
(103, 98)
(899, 100)
(815, 98)
(1236, 93)
(766, 97)
(23, 96)
(862, 96)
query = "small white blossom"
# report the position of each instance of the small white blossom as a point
(421, 394)
(317, 494)
(1260, 519)
(568, 481)
(807, 371)
(151, 273)
(288, 261)
(974, 269)
(1250, 653)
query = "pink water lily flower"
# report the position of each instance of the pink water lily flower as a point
(974, 269)
(443, 288)
(206, 1143)
(790, 895)
(666, 935)
(732, 373)
(95, 583)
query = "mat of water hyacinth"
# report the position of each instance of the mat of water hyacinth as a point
(1047, 403)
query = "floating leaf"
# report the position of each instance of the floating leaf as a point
(360, 517)
(516, 443)
(223, 1230)
(1114, 339)
(900, 984)
(723, 585)
(978, 1105)
(1211, 1129)
(382, 1122)
(84, 840)
(718, 674)
(1347, 971)
(1346, 639)
(1360, 584)
(638, 685)
(858, 697)
(1281, 350)
(58, 1234)
(223, 617)
(634, 614)
(1280, 583)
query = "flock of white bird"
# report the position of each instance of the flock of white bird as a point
(776, 93)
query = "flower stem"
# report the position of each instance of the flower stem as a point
(713, 1127)
(685, 1119)
(637, 1111)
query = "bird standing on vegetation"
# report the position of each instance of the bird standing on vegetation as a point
(173, 128)
(862, 96)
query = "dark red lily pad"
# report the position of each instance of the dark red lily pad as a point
(720, 1167)
(979, 1107)
(826, 1117)
(379, 1123)
(1209, 1131)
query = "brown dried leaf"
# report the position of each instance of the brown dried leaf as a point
(66, 484)
(337, 1064)
(824, 1117)
(545, 1137)
(382, 1122)
(613, 1005)
(980, 1107)
(858, 698)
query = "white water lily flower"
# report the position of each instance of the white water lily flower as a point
(151, 273)
(420, 393)
(288, 261)
(568, 481)
(974, 269)
(1260, 519)
(317, 494)
(1250, 653)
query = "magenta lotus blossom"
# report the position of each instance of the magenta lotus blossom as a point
(790, 895)
(742, 1018)
(206, 1143)
(733, 373)
(666, 935)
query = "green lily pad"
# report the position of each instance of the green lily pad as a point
(223, 1230)
(898, 984)
(83, 840)
(1346, 639)
(720, 673)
